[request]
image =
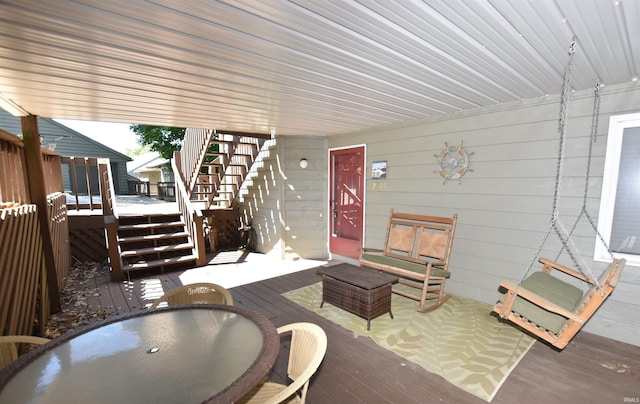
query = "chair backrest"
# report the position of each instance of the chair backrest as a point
(9, 347)
(420, 238)
(196, 293)
(308, 347)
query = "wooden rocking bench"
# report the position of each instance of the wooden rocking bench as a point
(552, 309)
(417, 249)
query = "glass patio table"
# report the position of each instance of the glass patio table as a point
(190, 353)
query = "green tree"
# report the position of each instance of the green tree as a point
(137, 151)
(163, 139)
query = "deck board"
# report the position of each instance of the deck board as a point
(356, 370)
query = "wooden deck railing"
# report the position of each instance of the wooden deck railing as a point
(59, 226)
(23, 273)
(81, 175)
(23, 270)
(192, 216)
(167, 191)
(194, 149)
(13, 184)
(107, 190)
(139, 188)
(111, 219)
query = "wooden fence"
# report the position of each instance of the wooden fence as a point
(21, 268)
(23, 281)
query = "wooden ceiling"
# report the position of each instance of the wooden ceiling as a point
(303, 67)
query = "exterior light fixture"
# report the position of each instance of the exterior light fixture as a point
(304, 163)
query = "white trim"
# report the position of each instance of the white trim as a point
(617, 125)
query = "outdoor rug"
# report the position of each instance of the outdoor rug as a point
(459, 341)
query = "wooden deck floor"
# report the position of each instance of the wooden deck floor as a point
(592, 369)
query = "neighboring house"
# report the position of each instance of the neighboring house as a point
(152, 168)
(69, 143)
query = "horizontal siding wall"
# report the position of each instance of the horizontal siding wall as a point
(287, 203)
(305, 196)
(505, 203)
(259, 200)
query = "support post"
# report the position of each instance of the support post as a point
(35, 173)
(111, 224)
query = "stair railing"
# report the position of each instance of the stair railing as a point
(192, 216)
(111, 219)
(192, 153)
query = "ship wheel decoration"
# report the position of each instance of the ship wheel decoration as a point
(453, 162)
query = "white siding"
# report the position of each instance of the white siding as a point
(506, 202)
(287, 203)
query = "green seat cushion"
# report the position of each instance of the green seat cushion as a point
(553, 289)
(402, 264)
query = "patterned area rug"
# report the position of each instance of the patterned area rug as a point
(460, 341)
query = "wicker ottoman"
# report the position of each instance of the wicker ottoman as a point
(363, 292)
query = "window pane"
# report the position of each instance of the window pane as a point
(625, 231)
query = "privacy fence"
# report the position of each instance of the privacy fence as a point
(24, 304)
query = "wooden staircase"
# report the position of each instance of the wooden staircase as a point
(210, 170)
(154, 241)
(224, 166)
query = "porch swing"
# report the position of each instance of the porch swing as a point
(542, 304)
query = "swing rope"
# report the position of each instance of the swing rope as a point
(555, 223)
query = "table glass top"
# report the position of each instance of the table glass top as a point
(168, 356)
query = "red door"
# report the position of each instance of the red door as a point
(346, 201)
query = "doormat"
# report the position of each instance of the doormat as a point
(459, 341)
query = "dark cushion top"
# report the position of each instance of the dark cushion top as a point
(403, 264)
(553, 289)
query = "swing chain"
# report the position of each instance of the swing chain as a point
(593, 138)
(555, 223)
(566, 89)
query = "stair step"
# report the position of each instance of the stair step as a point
(146, 216)
(236, 141)
(159, 263)
(154, 250)
(217, 154)
(149, 225)
(209, 193)
(232, 142)
(152, 237)
(228, 164)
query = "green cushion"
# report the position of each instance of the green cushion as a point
(553, 289)
(402, 264)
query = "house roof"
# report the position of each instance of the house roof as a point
(62, 139)
(303, 67)
(146, 162)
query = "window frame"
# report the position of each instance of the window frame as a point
(617, 125)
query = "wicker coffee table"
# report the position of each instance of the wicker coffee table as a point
(361, 291)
